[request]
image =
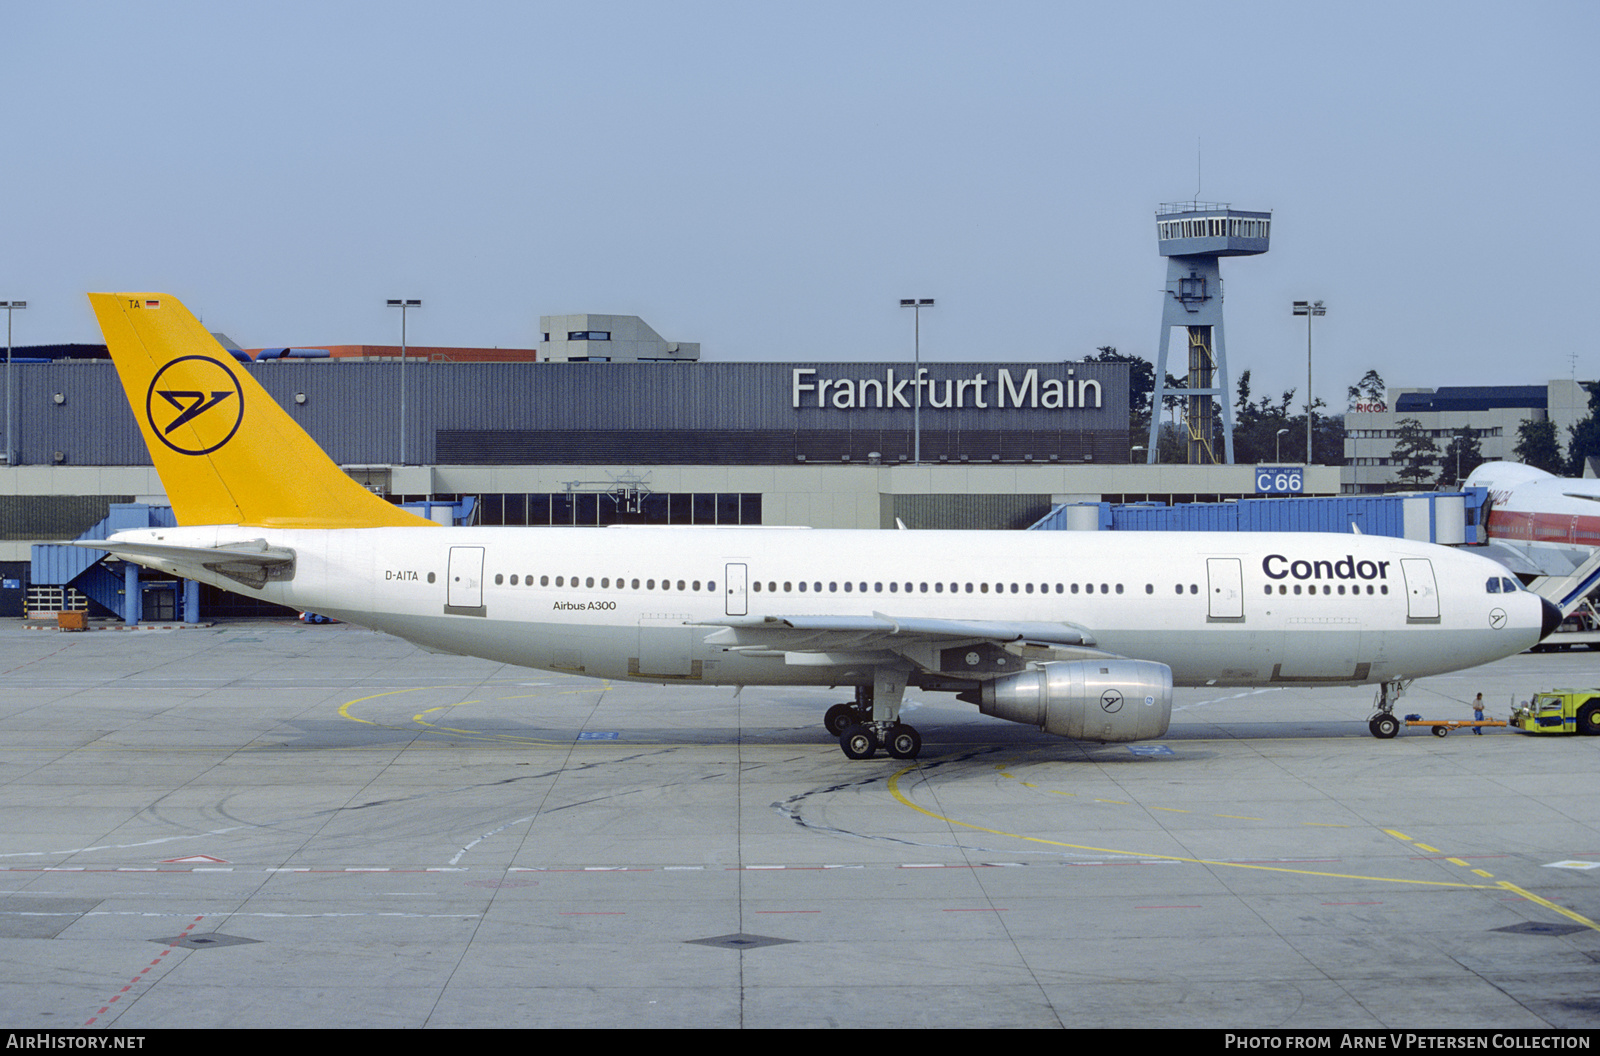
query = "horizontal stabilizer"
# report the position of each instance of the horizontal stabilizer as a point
(251, 563)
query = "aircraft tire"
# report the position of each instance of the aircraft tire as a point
(840, 717)
(1384, 727)
(858, 742)
(1589, 718)
(904, 742)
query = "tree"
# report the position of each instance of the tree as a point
(1327, 439)
(1172, 444)
(1584, 441)
(1416, 453)
(1462, 457)
(1256, 426)
(1369, 393)
(1536, 445)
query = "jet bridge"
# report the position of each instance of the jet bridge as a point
(1449, 518)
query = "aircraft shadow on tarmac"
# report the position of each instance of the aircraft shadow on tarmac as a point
(341, 734)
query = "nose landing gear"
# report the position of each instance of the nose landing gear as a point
(1383, 723)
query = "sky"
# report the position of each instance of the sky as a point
(770, 179)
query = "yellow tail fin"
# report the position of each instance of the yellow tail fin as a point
(227, 453)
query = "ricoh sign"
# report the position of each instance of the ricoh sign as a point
(1051, 388)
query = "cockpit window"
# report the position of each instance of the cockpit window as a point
(1493, 584)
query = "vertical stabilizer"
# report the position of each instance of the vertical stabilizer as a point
(226, 452)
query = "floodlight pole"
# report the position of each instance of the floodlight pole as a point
(916, 305)
(1309, 309)
(403, 305)
(11, 435)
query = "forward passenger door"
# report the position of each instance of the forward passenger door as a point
(1225, 582)
(1422, 592)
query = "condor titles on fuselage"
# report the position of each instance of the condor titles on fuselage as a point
(1078, 633)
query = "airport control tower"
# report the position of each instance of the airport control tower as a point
(1193, 236)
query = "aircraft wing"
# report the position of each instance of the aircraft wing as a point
(251, 563)
(1524, 560)
(975, 647)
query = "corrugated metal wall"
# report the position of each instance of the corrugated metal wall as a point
(968, 512)
(75, 413)
(53, 516)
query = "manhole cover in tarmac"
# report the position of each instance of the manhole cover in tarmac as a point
(204, 942)
(740, 941)
(1535, 928)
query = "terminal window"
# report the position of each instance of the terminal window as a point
(594, 509)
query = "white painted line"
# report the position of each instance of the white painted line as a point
(1570, 864)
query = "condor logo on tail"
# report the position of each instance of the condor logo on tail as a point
(197, 392)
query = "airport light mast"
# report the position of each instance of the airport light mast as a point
(404, 306)
(1194, 236)
(11, 429)
(916, 304)
(1309, 309)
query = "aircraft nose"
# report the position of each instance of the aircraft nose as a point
(1552, 618)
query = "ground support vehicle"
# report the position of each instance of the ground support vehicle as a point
(1442, 727)
(1559, 711)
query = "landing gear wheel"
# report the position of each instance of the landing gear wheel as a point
(1441, 731)
(858, 742)
(1384, 727)
(839, 717)
(1589, 718)
(904, 742)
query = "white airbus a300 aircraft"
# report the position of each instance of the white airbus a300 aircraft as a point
(1083, 634)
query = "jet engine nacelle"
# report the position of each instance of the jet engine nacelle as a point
(1088, 700)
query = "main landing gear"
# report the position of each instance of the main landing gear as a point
(1383, 723)
(873, 720)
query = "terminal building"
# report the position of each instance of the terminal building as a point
(1495, 412)
(621, 426)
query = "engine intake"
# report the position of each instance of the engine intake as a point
(1087, 700)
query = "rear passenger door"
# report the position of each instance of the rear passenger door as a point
(464, 582)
